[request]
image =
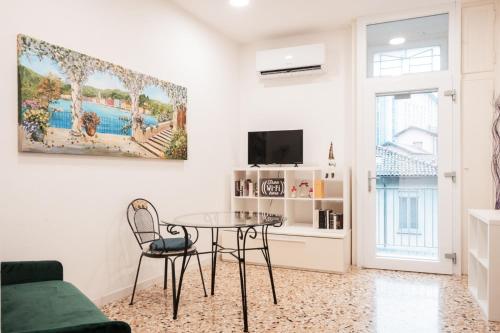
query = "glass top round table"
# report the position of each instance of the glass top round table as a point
(227, 220)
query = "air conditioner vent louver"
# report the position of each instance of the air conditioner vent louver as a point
(291, 70)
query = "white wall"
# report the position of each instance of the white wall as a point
(318, 104)
(72, 208)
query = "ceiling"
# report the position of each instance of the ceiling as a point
(265, 19)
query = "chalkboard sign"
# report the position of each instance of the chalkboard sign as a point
(272, 187)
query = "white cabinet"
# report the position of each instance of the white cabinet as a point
(299, 243)
(298, 251)
(484, 260)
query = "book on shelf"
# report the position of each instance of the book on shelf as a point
(327, 219)
(237, 188)
(339, 223)
(322, 219)
(244, 188)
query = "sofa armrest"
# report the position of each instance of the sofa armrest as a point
(104, 327)
(15, 272)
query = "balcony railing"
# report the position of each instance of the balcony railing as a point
(112, 124)
(407, 221)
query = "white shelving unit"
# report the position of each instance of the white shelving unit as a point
(297, 243)
(484, 260)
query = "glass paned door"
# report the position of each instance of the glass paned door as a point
(406, 132)
(407, 175)
(409, 202)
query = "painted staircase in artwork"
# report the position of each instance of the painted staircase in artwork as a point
(158, 143)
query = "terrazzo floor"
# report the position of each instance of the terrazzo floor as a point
(360, 301)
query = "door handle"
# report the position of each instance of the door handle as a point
(452, 175)
(370, 178)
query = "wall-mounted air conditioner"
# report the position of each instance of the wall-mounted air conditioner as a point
(306, 59)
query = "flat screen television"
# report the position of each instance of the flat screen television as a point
(275, 147)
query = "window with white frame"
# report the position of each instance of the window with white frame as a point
(408, 213)
(414, 45)
(407, 61)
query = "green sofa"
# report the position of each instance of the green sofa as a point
(36, 299)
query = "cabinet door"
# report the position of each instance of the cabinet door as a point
(312, 253)
(478, 32)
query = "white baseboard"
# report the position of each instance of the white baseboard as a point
(127, 291)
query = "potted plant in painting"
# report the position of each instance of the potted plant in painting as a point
(35, 123)
(90, 121)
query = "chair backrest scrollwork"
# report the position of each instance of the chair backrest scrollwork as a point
(144, 221)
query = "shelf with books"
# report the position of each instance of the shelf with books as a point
(328, 219)
(295, 243)
(329, 213)
(298, 203)
(245, 183)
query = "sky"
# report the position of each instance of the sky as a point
(99, 80)
(42, 67)
(102, 80)
(153, 92)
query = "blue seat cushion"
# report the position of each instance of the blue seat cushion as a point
(171, 244)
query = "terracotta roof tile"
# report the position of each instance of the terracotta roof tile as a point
(391, 163)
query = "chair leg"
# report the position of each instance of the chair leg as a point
(136, 277)
(174, 291)
(201, 274)
(166, 275)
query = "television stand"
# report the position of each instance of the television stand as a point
(296, 165)
(255, 166)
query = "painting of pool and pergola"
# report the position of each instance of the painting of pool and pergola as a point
(71, 103)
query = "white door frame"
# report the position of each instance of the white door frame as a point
(454, 11)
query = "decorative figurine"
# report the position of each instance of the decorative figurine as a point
(311, 192)
(304, 189)
(293, 192)
(330, 173)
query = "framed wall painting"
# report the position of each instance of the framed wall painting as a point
(71, 103)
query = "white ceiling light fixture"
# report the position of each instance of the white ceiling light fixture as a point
(397, 41)
(239, 3)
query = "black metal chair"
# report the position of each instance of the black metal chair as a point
(143, 219)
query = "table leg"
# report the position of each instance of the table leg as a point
(241, 252)
(215, 247)
(267, 257)
(185, 261)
